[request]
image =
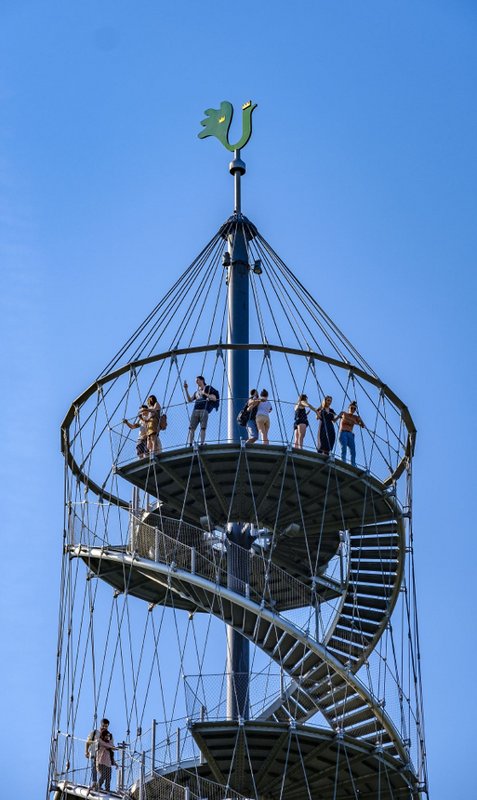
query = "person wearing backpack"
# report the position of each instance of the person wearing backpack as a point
(205, 399)
(247, 416)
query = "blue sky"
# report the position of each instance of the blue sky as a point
(362, 175)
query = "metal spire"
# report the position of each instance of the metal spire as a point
(217, 124)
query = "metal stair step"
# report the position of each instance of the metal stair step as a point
(294, 656)
(270, 640)
(385, 553)
(362, 578)
(365, 612)
(345, 650)
(237, 616)
(346, 637)
(281, 715)
(358, 624)
(368, 588)
(363, 715)
(374, 537)
(283, 645)
(310, 660)
(371, 730)
(298, 708)
(328, 687)
(355, 635)
(380, 567)
(384, 739)
(348, 705)
(261, 629)
(249, 622)
(375, 530)
(338, 695)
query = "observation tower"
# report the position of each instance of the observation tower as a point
(243, 612)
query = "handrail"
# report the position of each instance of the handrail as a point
(80, 473)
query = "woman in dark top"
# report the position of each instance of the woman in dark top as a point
(300, 422)
(326, 429)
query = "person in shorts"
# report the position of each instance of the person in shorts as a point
(264, 409)
(202, 398)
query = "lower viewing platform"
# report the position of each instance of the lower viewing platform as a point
(233, 760)
(160, 544)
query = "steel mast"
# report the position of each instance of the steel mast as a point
(217, 123)
(238, 661)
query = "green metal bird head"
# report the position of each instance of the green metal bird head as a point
(217, 123)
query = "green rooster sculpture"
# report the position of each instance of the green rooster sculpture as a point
(218, 121)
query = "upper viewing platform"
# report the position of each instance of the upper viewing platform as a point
(279, 340)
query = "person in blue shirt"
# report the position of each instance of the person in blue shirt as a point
(202, 399)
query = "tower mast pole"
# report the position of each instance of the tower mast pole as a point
(238, 660)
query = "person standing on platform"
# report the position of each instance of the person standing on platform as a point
(105, 756)
(348, 420)
(264, 410)
(300, 421)
(141, 423)
(202, 399)
(252, 406)
(153, 416)
(326, 428)
(91, 749)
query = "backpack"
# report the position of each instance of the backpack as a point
(243, 416)
(213, 405)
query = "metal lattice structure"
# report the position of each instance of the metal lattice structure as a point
(244, 612)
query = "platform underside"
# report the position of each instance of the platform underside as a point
(126, 578)
(272, 760)
(272, 487)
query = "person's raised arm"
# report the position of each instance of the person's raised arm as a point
(88, 743)
(131, 425)
(186, 387)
